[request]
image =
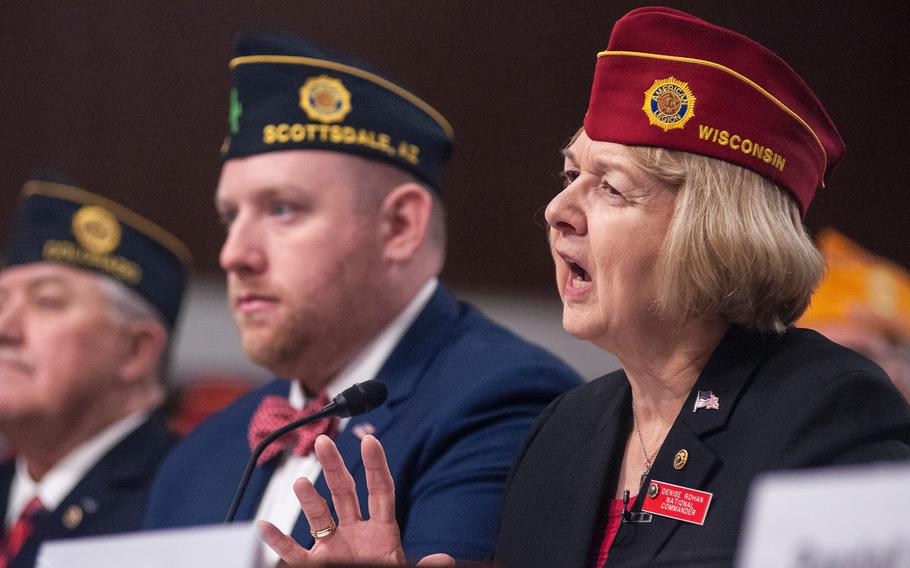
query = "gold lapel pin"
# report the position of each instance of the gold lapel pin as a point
(679, 461)
(72, 517)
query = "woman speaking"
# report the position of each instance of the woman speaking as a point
(679, 247)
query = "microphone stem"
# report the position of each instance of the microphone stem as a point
(328, 410)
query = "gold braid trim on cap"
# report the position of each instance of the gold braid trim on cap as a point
(737, 75)
(372, 77)
(124, 215)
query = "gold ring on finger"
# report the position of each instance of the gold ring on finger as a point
(327, 531)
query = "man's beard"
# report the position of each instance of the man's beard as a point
(279, 349)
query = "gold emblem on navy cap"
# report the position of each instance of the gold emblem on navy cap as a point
(325, 99)
(669, 103)
(296, 95)
(96, 229)
(65, 224)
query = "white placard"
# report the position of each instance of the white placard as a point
(838, 517)
(225, 546)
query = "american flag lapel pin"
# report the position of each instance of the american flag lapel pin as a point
(363, 429)
(706, 400)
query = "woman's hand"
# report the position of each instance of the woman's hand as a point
(355, 540)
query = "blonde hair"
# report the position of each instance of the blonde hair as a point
(736, 247)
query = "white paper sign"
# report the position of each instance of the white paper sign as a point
(839, 517)
(225, 546)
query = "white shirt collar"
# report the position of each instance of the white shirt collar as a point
(63, 477)
(367, 363)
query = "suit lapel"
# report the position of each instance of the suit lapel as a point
(586, 495)
(419, 346)
(400, 373)
(728, 372)
(7, 471)
(89, 507)
(649, 538)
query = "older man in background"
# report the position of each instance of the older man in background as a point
(336, 235)
(89, 294)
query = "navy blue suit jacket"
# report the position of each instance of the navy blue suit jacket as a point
(463, 392)
(111, 497)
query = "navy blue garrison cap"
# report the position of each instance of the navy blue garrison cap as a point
(64, 224)
(289, 94)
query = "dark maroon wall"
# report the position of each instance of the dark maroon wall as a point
(130, 99)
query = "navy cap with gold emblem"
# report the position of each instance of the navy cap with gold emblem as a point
(63, 224)
(289, 94)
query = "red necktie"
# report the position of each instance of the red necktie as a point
(19, 533)
(274, 412)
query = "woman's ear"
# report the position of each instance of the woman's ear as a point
(405, 218)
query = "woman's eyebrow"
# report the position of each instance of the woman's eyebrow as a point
(612, 163)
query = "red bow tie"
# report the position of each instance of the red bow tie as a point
(274, 412)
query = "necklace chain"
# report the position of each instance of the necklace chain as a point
(641, 442)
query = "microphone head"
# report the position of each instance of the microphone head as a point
(360, 398)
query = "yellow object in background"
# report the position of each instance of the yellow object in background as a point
(860, 287)
(863, 303)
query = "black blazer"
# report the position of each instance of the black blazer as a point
(109, 499)
(791, 401)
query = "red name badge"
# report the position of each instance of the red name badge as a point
(677, 502)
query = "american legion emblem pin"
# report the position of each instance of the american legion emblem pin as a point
(669, 103)
(96, 229)
(325, 99)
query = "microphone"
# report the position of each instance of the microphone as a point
(353, 401)
(357, 399)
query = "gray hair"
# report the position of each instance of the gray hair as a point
(126, 306)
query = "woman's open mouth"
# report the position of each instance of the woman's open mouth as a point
(580, 277)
